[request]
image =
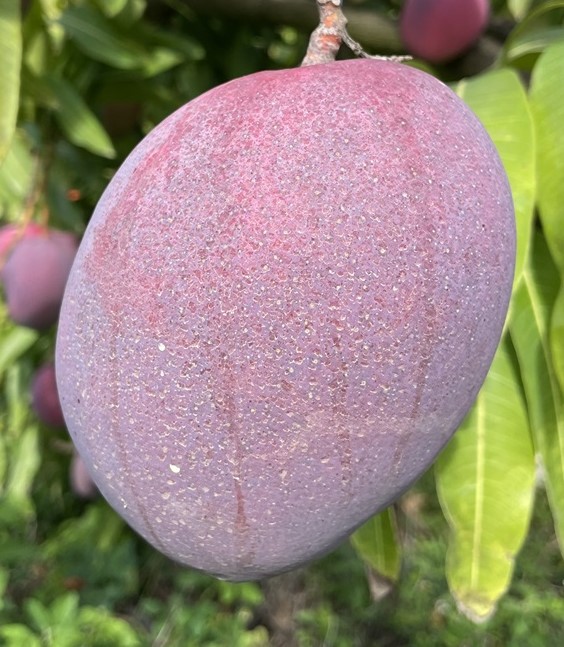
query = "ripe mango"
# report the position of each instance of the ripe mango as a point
(284, 304)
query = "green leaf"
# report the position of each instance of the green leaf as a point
(77, 121)
(25, 461)
(21, 437)
(377, 544)
(4, 579)
(16, 176)
(519, 8)
(547, 103)
(10, 64)
(105, 629)
(547, 106)
(99, 38)
(51, 11)
(529, 328)
(536, 32)
(161, 59)
(111, 8)
(14, 345)
(18, 635)
(485, 482)
(557, 334)
(499, 100)
(64, 609)
(38, 614)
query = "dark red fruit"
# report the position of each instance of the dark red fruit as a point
(285, 303)
(439, 30)
(34, 277)
(45, 398)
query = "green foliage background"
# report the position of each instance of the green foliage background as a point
(472, 555)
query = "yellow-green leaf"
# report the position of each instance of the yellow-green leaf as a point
(10, 64)
(519, 8)
(377, 544)
(541, 27)
(557, 334)
(76, 119)
(529, 329)
(20, 438)
(500, 102)
(547, 103)
(485, 482)
(16, 175)
(100, 38)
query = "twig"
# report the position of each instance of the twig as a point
(326, 39)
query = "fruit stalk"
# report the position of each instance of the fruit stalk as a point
(325, 41)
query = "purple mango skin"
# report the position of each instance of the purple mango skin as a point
(285, 303)
(440, 30)
(34, 277)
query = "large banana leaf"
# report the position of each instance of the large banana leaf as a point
(485, 483)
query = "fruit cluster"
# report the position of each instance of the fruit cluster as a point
(35, 262)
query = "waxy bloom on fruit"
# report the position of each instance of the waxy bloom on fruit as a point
(284, 305)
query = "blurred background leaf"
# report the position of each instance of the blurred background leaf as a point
(547, 102)
(377, 543)
(10, 63)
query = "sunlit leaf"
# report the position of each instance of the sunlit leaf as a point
(98, 37)
(161, 59)
(536, 32)
(15, 344)
(21, 435)
(485, 482)
(16, 175)
(51, 11)
(529, 329)
(76, 119)
(65, 608)
(110, 630)
(557, 334)
(499, 100)
(16, 635)
(519, 8)
(111, 8)
(377, 543)
(38, 615)
(547, 103)
(10, 64)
